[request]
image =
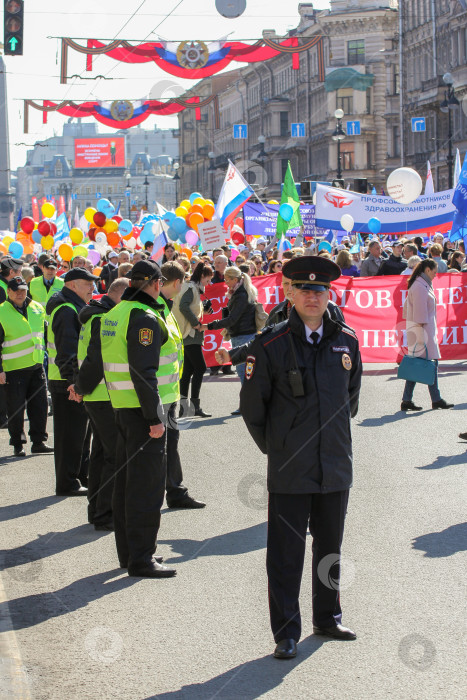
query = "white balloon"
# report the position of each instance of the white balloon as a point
(347, 222)
(404, 185)
(314, 198)
(101, 238)
(131, 243)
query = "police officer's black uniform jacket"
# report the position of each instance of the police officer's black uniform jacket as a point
(307, 439)
(3, 296)
(92, 370)
(66, 328)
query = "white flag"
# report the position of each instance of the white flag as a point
(429, 188)
(457, 168)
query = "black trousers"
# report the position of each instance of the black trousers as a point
(70, 424)
(176, 490)
(139, 488)
(289, 517)
(26, 390)
(3, 411)
(194, 368)
(102, 464)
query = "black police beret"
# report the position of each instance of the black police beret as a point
(145, 270)
(17, 283)
(79, 273)
(311, 272)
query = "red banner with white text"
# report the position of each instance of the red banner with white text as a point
(372, 306)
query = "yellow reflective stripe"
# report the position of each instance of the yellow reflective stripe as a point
(17, 341)
(120, 386)
(115, 367)
(19, 353)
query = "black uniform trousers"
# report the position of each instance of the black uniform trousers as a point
(139, 488)
(26, 389)
(102, 464)
(70, 424)
(176, 490)
(3, 411)
(288, 519)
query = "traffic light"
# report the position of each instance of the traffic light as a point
(13, 22)
(360, 185)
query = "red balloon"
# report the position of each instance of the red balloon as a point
(239, 222)
(44, 227)
(92, 234)
(117, 218)
(27, 224)
(99, 218)
(238, 238)
(53, 228)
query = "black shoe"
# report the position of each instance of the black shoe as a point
(82, 491)
(158, 559)
(19, 452)
(198, 410)
(152, 570)
(441, 404)
(41, 448)
(228, 370)
(187, 502)
(214, 371)
(237, 412)
(3, 423)
(286, 649)
(410, 406)
(108, 527)
(335, 632)
(463, 436)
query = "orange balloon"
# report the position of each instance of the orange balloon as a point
(113, 239)
(65, 251)
(100, 230)
(3, 248)
(187, 252)
(208, 211)
(197, 208)
(28, 247)
(97, 271)
(128, 236)
(195, 219)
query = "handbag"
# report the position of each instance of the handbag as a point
(260, 316)
(417, 369)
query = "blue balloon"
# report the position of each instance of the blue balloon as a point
(374, 225)
(179, 225)
(169, 216)
(193, 196)
(102, 205)
(125, 227)
(15, 249)
(286, 211)
(109, 211)
(182, 237)
(173, 235)
(325, 245)
(36, 236)
(148, 233)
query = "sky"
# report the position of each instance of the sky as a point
(35, 75)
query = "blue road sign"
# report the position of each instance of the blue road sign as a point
(353, 128)
(418, 124)
(127, 194)
(98, 195)
(297, 130)
(240, 131)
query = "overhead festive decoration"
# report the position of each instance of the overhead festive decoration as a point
(193, 59)
(121, 114)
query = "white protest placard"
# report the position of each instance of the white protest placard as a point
(212, 234)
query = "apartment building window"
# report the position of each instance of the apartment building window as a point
(58, 169)
(368, 101)
(345, 100)
(369, 153)
(284, 124)
(356, 52)
(396, 141)
(348, 156)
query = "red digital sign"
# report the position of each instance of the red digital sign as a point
(100, 152)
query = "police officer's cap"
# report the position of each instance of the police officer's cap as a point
(311, 272)
(49, 263)
(17, 283)
(79, 273)
(11, 263)
(145, 270)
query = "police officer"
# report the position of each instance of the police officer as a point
(70, 418)
(9, 268)
(90, 386)
(141, 372)
(177, 493)
(302, 384)
(21, 358)
(42, 287)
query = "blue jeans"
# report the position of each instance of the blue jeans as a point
(236, 342)
(433, 388)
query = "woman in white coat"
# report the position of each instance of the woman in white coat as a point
(422, 332)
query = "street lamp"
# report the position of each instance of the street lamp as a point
(212, 170)
(146, 185)
(449, 103)
(339, 135)
(176, 179)
(128, 191)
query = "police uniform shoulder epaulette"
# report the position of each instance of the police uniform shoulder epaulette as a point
(349, 331)
(276, 332)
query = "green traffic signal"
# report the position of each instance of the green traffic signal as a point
(13, 23)
(13, 42)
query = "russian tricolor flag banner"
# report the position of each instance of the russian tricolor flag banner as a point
(234, 193)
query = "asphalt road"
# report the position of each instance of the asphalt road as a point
(75, 626)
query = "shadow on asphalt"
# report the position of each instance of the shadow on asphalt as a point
(389, 418)
(250, 539)
(443, 544)
(18, 510)
(37, 608)
(249, 680)
(196, 423)
(446, 461)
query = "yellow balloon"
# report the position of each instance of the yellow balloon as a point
(209, 201)
(65, 251)
(89, 214)
(48, 210)
(185, 204)
(7, 240)
(36, 224)
(200, 200)
(76, 235)
(80, 250)
(47, 242)
(110, 226)
(177, 246)
(273, 201)
(181, 211)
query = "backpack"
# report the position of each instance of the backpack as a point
(260, 316)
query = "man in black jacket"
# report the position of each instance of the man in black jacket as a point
(302, 386)
(70, 418)
(395, 264)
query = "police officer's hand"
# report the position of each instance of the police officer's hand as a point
(72, 395)
(156, 431)
(222, 356)
(2, 378)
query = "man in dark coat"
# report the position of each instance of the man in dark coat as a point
(395, 264)
(302, 386)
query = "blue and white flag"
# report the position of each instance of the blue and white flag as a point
(459, 199)
(63, 228)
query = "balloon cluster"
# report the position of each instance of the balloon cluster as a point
(191, 212)
(31, 232)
